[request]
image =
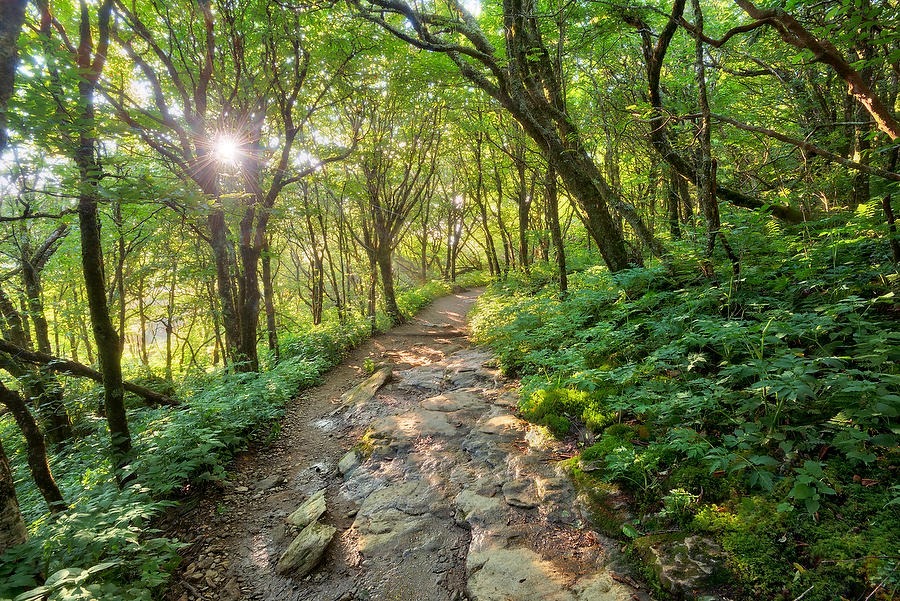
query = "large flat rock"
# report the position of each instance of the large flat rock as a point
(400, 517)
(429, 378)
(502, 424)
(411, 425)
(479, 510)
(514, 575)
(521, 575)
(455, 400)
(520, 493)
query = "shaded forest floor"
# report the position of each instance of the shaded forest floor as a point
(455, 496)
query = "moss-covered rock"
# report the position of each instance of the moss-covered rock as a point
(687, 566)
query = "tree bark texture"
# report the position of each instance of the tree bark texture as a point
(35, 448)
(12, 527)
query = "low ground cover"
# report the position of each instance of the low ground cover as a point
(760, 411)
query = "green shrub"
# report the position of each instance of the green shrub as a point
(558, 424)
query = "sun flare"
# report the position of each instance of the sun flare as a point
(226, 149)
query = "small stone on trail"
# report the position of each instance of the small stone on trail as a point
(231, 591)
(349, 461)
(270, 482)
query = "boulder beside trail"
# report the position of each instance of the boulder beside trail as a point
(364, 391)
(684, 564)
(310, 511)
(305, 552)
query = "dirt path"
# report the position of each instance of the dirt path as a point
(453, 497)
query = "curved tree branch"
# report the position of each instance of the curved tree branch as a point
(78, 369)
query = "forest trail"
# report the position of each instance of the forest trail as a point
(456, 498)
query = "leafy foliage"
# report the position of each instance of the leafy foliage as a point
(782, 391)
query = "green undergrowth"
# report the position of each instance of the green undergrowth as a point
(762, 412)
(104, 546)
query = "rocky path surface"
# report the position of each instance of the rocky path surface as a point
(434, 489)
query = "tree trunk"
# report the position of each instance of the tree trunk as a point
(221, 258)
(49, 398)
(889, 214)
(219, 346)
(455, 244)
(386, 267)
(36, 449)
(91, 59)
(507, 251)
(104, 333)
(491, 249)
(317, 277)
(142, 315)
(26, 324)
(706, 193)
(120, 272)
(672, 208)
(12, 527)
(373, 287)
(42, 388)
(170, 318)
(249, 298)
(90, 172)
(552, 201)
(12, 17)
(82, 328)
(862, 131)
(269, 300)
(706, 174)
(523, 205)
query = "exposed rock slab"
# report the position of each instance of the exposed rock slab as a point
(500, 424)
(455, 400)
(520, 574)
(520, 493)
(601, 587)
(514, 575)
(479, 510)
(557, 490)
(306, 550)
(401, 517)
(430, 378)
(412, 424)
